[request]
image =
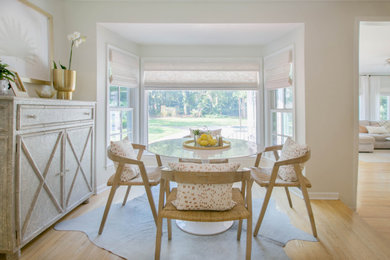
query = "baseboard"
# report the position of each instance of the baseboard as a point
(316, 195)
(101, 188)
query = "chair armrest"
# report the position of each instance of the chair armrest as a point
(121, 159)
(296, 160)
(273, 148)
(139, 146)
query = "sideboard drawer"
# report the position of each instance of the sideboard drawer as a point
(4, 120)
(30, 116)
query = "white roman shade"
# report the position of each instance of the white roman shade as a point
(278, 70)
(201, 73)
(124, 69)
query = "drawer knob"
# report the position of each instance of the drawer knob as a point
(87, 113)
(31, 116)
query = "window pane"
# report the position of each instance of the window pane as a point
(114, 96)
(115, 122)
(282, 123)
(127, 123)
(115, 138)
(384, 108)
(288, 97)
(124, 97)
(280, 98)
(173, 112)
(287, 124)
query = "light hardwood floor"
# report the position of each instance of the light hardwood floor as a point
(374, 196)
(343, 234)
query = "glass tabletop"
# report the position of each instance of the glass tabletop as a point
(174, 148)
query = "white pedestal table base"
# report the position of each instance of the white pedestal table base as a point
(204, 228)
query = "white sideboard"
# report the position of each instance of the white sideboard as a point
(46, 165)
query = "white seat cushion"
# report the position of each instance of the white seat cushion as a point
(204, 196)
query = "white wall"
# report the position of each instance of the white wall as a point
(104, 38)
(330, 66)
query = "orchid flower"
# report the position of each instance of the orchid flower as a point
(76, 40)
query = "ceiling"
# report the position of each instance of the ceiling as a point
(374, 48)
(201, 34)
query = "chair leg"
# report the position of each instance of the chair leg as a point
(239, 229)
(248, 238)
(151, 202)
(168, 190)
(309, 210)
(169, 228)
(107, 208)
(127, 195)
(288, 196)
(158, 239)
(263, 209)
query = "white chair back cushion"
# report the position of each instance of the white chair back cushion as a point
(291, 150)
(124, 148)
(204, 196)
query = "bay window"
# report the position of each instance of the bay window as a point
(198, 93)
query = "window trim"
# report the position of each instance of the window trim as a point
(267, 100)
(134, 103)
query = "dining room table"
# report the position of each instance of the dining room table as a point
(185, 148)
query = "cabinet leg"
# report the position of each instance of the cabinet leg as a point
(13, 256)
(86, 201)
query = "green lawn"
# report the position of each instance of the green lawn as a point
(160, 127)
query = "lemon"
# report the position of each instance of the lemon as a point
(203, 136)
(204, 142)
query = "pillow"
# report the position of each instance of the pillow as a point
(125, 149)
(385, 124)
(290, 150)
(376, 129)
(204, 196)
(363, 129)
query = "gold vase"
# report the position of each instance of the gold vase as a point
(64, 81)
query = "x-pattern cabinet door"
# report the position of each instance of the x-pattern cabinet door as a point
(78, 177)
(40, 174)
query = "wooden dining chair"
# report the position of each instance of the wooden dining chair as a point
(268, 178)
(242, 209)
(149, 176)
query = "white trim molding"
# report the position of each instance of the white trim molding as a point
(317, 195)
(101, 188)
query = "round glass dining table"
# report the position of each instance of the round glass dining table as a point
(174, 148)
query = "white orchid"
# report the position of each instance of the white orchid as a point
(73, 36)
(76, 39)
(79, 41)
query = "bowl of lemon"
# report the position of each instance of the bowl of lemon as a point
(206, 140)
